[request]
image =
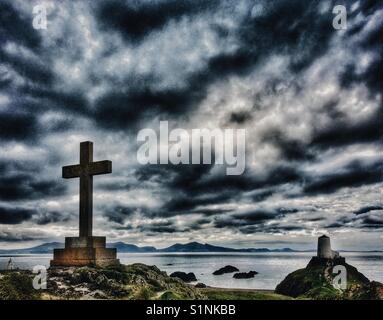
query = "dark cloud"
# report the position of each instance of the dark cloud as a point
(159, 227)
(15, 215)
(199, 224)
(240, 117)
(315, 219)
(127, 108)
(124, 111)
(51, 99)
(7, 236)
(355, 174)
(341, 132)
(193, 187)
(302, 33)
(185, 203)
(135, 20)
(276, 176)
(372, 222)
(283, 228)
(252, 217)
(245, 182)
(372, 77)
(255, 217)
(178, 178)
(119, 214)
(226, 64)
(262, 195)
(18, 126)
(365, 218)
(28, 186)
(29, 70)
(47, 217)
(8, 167)
(269, 229)
(17, 26)
(368, 7)
(367, 209)
(290, 150)
(334, 225)
(113, 186)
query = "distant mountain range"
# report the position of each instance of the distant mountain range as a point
(199, 247)
(125, 247)
(178, 247)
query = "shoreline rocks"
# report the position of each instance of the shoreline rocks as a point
(186, 277)
(225, 269)
(245, 275)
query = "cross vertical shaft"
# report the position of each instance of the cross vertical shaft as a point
(86, 190)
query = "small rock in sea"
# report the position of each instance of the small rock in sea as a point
(169, 264)
(245, 275)
(200, 285)
(186, 277)
(225, 269)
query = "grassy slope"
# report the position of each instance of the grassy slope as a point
(17, 286)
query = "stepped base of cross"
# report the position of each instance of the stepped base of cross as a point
(84, 251)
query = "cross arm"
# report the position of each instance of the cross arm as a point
(100, 167)
(71, 171)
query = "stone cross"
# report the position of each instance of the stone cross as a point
(85, 171)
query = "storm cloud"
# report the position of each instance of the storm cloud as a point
(308, 95)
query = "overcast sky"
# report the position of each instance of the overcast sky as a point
(309, 97)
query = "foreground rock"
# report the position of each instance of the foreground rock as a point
(316, 282)
(136, 281)
(225, 269)
(245, 275)
(186, 277)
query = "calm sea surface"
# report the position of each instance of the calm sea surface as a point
(272, 267)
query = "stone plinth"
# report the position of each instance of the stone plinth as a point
(82, 242)
(85, 251)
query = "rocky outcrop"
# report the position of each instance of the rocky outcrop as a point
(245, 275)
(136, 281)
(225, 269)
(186, 277)
(200, 285)
(316, 281)
(371, 291)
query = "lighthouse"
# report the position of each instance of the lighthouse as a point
(325, 255)
(324, 248)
